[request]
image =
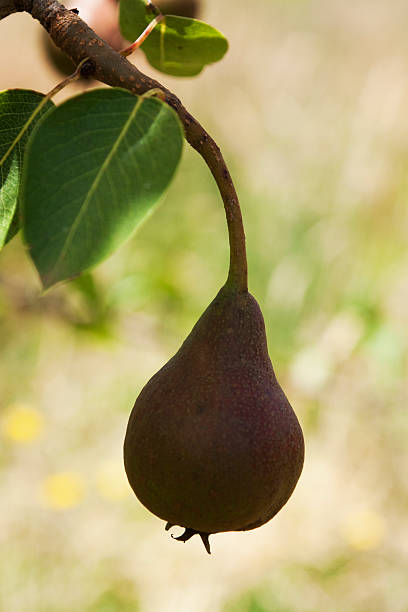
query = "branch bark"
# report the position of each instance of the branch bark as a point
(75, 38)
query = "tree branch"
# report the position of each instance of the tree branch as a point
(79, 41)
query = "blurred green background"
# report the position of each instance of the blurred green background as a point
(309, 107)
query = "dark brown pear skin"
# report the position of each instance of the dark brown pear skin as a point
(212, 442)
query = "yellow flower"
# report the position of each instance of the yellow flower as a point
(22, 423)
(63, 490)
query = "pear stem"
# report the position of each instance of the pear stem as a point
(200, 140)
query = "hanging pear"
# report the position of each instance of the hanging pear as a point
(212, 443)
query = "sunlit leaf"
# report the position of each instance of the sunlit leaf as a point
(178, 45)
(20, 110)
(94, 168)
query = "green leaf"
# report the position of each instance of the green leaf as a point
(14, 226)
(178, 45)
(93, 169)
(20, 110)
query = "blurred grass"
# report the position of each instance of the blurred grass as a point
(309, 107)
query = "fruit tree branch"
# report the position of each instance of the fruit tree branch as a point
(79, 41)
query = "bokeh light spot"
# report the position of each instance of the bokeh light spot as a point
(23, 423)
(63, 490)
(365, 530)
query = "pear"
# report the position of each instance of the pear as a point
(212, 443)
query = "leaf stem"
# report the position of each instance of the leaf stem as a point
(73, 77)
(140, 39)
(69, 79)
(155, 92)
